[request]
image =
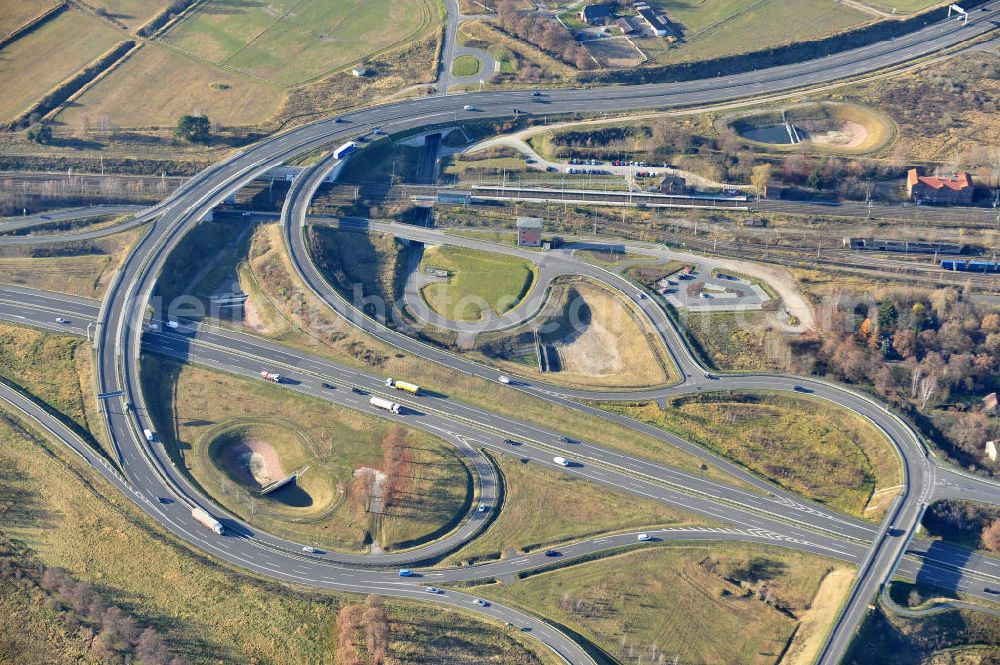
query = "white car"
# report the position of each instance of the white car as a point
(153, 326)
(173, 324)
(60, 319)
(561, 461)
(481, 602)
(504, 378)
(468, 107)
(644, 537)
(483, 507)
(309, 549)
(640, 295)
(433, 589)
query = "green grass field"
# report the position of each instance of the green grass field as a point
(480, 281)
(808, 446)
(716, 28)
(69, 517)
(670, 600)
(39, 61)
(543, 507)
(466, 65)
(290, 42)
(193, 406)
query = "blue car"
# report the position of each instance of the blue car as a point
(406, 572)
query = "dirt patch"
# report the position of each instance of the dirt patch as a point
(252, 318)
(600, 333)
(253, 463)
(849, 135)
(615, 53)
(817, 620)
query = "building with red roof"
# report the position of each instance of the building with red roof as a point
(932, 189)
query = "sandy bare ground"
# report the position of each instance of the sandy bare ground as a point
(612, 344)
(817, 620)
(252, 318)
(850, 135)
(254, 462)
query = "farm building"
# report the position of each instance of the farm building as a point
(596, 14)
(529, 232)
(932, 189)
(658, 25)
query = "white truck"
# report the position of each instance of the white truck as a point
(382, 403)
(202, 517)
(273, 377)
(148, 433)
(402, 385)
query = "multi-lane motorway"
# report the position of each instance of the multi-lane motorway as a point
(770, 514)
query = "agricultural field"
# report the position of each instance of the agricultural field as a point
(232, 451)
(157, 85)
(723, 603)
(481, 285)
(133, 13)
(290, 42)
(816, 449)
(573, 509)
(19, 12)
(727, 27)
(69, 517)
(37, 62)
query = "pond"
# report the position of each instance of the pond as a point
(776, 134)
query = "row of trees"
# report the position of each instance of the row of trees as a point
(113, 635)
(374, 620)
(545, 33)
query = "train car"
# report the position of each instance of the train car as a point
(906, 246)
(986, 267)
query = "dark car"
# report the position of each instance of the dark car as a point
(553, 553)
(358, 391)
(566, 439)
(536, 94)
(328, 386)
(512, 442)
(802, 389)
(991, 590)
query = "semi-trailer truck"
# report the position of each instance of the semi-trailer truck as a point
(202, 517)
(345, 150)
(402, 385)
(382, 403)
(274, 377)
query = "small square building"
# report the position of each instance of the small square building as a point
(529, 232)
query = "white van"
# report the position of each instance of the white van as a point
(561, 461)
(149, 434)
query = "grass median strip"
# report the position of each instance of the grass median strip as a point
(808, 446)
(723, 603)
(542, 507)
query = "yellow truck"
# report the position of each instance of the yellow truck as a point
(402, 385)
